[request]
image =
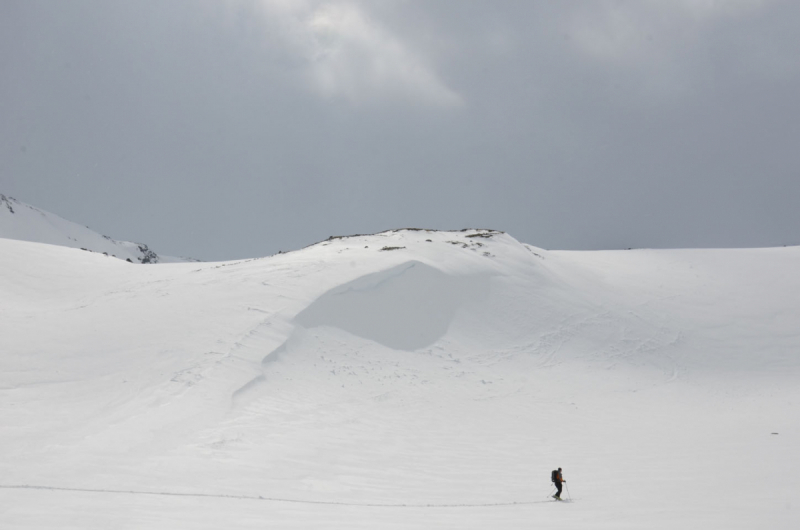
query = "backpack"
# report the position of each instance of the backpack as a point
(553, 475)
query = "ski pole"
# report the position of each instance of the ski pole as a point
(568, 493)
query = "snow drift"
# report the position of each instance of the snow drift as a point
(407, 307)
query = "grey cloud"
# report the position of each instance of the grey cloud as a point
(202, 127)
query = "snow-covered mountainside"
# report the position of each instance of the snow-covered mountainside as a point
(24, 222)
(408, 379)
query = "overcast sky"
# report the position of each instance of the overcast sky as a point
(223, 129)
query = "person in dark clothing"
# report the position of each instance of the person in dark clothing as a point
(557, 480)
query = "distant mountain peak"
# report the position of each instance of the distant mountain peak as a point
(22, 221)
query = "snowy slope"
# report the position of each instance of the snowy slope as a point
(24, 222)
(409, 379)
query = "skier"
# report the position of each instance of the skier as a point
(557, 480)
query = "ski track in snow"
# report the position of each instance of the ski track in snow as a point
(271, 499)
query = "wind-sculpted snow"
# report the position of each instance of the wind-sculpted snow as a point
(407, 307)
(407, 379)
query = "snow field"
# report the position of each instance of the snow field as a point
(455, 372)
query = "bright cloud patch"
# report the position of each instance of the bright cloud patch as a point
(350, 55)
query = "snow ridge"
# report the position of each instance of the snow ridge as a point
(25, 222)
